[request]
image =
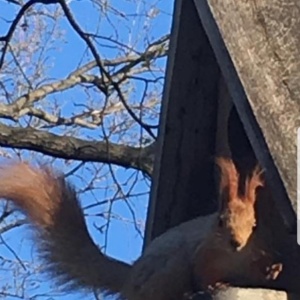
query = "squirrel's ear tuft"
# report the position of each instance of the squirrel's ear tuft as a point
(252, 183)
(229, 181)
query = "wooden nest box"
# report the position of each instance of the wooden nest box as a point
(232, 65)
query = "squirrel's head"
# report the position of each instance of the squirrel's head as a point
(237, 218)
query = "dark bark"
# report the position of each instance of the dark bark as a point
(78, 149)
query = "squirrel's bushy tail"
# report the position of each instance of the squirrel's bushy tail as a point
(64, 242)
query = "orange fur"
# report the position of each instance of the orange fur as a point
(52, 205)
(208, 250)
(230, 254)
(238, 211)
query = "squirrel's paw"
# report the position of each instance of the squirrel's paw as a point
(273, 271)
(217, 287)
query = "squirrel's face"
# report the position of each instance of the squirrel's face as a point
(237, 209)
(238, 220)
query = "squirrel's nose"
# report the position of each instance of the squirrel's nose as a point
(235, 244)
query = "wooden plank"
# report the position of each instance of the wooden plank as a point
(249, 294)
(183, 183)
(236, 293)
(272, 113)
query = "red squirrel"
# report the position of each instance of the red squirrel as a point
(188, 257)
(252, 264)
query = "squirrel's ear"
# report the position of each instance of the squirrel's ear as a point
(252, 183)
(229, 180)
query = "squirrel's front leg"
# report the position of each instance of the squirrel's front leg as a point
(210, 269)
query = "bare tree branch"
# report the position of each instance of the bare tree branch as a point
(12, 225)
(77, 149)
(112, 86)
(84, 36)
(6, 39)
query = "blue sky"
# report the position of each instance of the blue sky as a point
(124, 242)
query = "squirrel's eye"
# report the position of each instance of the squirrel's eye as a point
(221, 221)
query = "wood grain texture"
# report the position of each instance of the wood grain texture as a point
(183, 182)
(263, 39)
